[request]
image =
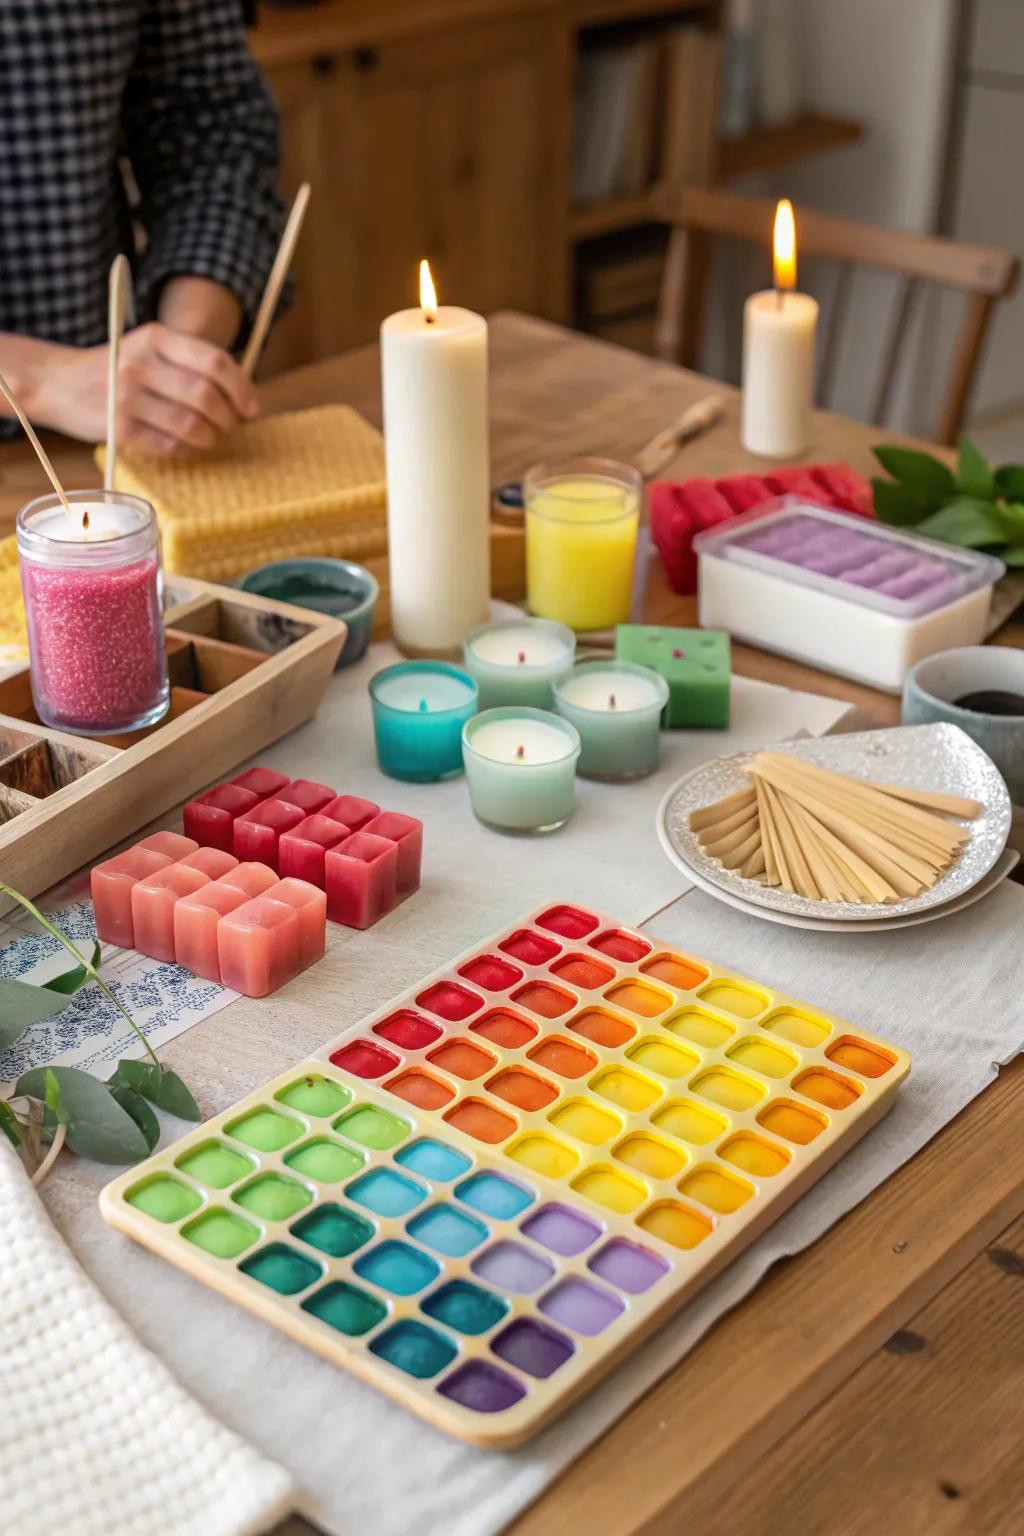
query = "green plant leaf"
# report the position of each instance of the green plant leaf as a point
(51, 1095)
(97, 1126)
(1013, 556)
(893, 504)
(1010, 515)
(70, 981)
(10, 1124)
(160, 1086)
(969, 523)
(136, 1106)
(21, 1006)
(973, 472)
(920, 475)
(1010, 481)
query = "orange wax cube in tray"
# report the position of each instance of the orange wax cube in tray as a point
(488, 1190)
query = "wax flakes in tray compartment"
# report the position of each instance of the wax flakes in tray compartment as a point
(485, 1193)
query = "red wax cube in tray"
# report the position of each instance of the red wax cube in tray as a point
(307, 795)
(211, 818)
(300, 852)
(257, 832)
(362, 879)
(259, 945)
(196, 920)
(153, 902)
(112, 885)
(352, 810)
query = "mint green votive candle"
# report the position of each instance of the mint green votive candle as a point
(521, 768)
(616, 709)
(519, 661)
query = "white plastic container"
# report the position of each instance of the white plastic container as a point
(839, 592)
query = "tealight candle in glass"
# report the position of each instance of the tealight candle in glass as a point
(616, 708)
(419, 709)
(518, 661)
(521, 768)
(582, 517)
(93, 608)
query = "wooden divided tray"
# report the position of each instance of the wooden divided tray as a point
(244, 671)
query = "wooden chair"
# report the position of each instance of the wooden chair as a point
(983, 273)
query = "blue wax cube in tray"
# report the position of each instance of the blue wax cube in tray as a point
(696, 664)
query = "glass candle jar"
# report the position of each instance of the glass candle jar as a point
(582, 517)
(419, 709)
(616, 707)
(521, 769)
(517, 661)
(93, 605)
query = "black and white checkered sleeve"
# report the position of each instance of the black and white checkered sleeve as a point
(202, 137)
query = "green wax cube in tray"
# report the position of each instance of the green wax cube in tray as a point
(696, 664)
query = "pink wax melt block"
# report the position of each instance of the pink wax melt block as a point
(153, 902)
(213, 862)
(352, 811)
(307, 795)
(258, 831)
(311, 904)
(362, 879)
(262, 782)
(300, 852)
(252, 879)
(407, 835)
(112, 884)
(170, 843)
(211, 818)
(259, 946)
(196, 918)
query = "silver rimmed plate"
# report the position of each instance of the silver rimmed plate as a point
(930, 756)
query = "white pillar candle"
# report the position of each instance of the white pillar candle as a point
(434, 364)
(778, 355)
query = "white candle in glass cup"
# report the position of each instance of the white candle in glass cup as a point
(518, 661)
(616, 707)
(521, 768)
(778, 355)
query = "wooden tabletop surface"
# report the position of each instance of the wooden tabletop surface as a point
(880, 1385)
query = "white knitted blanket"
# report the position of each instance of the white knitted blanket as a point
(96, 1436)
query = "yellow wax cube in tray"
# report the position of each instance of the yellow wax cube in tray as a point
(481, 1196)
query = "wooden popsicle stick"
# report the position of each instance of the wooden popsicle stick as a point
(802, 875)
(848, 890)
(846, 876)
(118, 288)
(755, 865)
(847, 796)
(41, 453)
(728, 824)
(276, 281)
(824, 876)
(780, 849)
(731, 839)
(707, 815)
(771, 869)
(739, 855)
(929, 799)
(874, 884)
(864, 791)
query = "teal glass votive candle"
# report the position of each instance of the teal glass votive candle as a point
(521, 768)
(519, 661)
(616, 709)
(419, 710)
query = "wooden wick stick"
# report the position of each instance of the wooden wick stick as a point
(707, 815)
(118, 288)
(738, 856)
(929, 799)
(868, 794)
(41, 453)
(802, 876)
(847, 796)
(715, 847)
(771, 869)
(711, 834)
(276, 280)
(778, 843)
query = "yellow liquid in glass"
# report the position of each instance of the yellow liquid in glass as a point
(580, 547)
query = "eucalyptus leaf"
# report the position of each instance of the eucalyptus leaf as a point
(160, 1086)
(966, 522)
(973, 472)
(923, 477)
(70, 981)
(1010, 481)
(10, 1124)
(22, 1005)
(97, 1126)
(893, 505)
(51, 1096)
(1011, 519)
(139, 1110)
(1013, 556)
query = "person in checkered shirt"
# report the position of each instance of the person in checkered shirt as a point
(160, 96)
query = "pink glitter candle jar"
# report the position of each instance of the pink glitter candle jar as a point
(93, 605)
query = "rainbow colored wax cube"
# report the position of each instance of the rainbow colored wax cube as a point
(695, 663)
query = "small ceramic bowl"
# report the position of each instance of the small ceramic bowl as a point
(933, 685)
(336, 587)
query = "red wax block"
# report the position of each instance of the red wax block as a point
(408, 1030)
(365, 1059)
(257, 832)
(407, 835)
(621, 946)
(491, 973)
(211, 818)
(530, 948)
(311, 905)
(300, 852)
(251, 879)
(570, 922)
(259, 946)
(307, 794)
(352, 811)
(794, 481)
(153, 902)
(362, 875)
(196, 919)
(843, 488)
(262, 782)
(743, 492)
(211, 861)
(112, 883)
(450, 1001)
(677, 514)
(172, 844)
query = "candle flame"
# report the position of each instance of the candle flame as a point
(428, 293)
(784, 246)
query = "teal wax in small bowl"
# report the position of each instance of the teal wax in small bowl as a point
(338, 588)
(419, 710)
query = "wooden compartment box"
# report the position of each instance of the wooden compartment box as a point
(244, 671)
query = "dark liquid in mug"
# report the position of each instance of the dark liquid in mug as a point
(992, 701)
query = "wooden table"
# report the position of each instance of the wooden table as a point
(880, 1384)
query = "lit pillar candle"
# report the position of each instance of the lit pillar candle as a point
(616, 708)
(419, 709)
(778, 355)
(521, 768)
(517, 662)
(434, 363)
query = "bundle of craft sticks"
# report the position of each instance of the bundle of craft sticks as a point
(831, 837)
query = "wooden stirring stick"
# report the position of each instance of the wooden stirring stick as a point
(41, 452)
(275, 282)
(118, 289)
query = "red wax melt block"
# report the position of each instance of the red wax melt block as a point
(211, 818)
(259, 946)
(252, 879)
(212, 862)
(112, 883)
(262, 782)
(491, 973)
(744, 492)
(352, 811)
(407, 835)
(257, 832)
(408, 1030)
(570, 922)
(311, 905)
(153, 902)
(621, 946)
(450, 1001)
(677, 514)
(361, 879)
(530, 948)
(196, 919)
(307, 795)
(171, 844)
(365, 1058)
(300, 852)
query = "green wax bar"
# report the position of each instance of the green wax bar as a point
(695, 663)
(326, 1161)
(273, 1198)
(164, 1198)
(265, 1130)
(220, 1233)
(372, 1127)
(315, 1096)
(215, 1165)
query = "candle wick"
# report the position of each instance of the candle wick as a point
(611, 701)
(520, 751)
(423, 706)
(780, 296)
(430, 319)
(521, 657)
(85, 519)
